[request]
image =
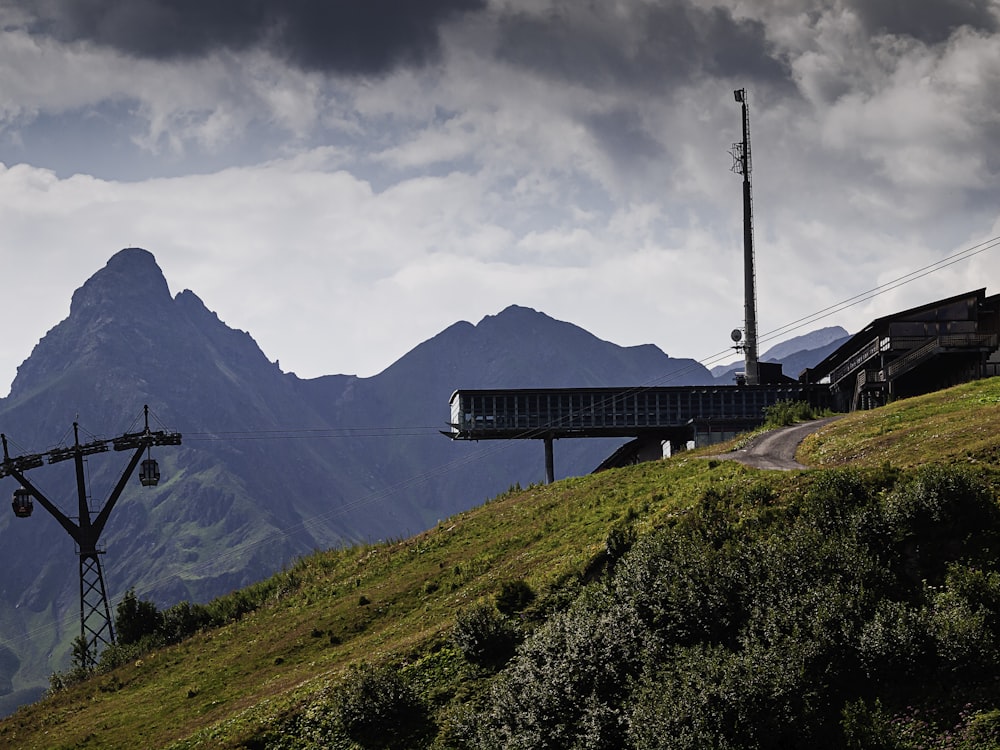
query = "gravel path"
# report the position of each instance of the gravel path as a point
(776, 449)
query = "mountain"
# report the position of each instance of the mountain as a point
(272, 466)
(813, 340)
(794, 354)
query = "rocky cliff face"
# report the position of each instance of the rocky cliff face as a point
(271, 466)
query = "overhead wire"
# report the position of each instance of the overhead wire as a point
(308, 433)
(673, 375)
(888, 286)
(378, 495)
(857, 299)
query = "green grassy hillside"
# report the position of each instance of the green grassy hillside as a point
(683, 603)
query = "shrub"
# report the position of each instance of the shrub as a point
(82, 661)
(619, 541)
(772, 622)
(785, 413)
(484, 636)
(984, 729)
(895, 645)
(183, 620)
(118, 654)
(232, 607)
(940, 514)
(82, 667)
(566, 685)
(965, 621)
(135, 619)
(867, 728)
(376, 708)
(514, 596)
(681, 587)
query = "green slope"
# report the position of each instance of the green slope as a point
(285, 674)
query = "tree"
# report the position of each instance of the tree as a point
(136, 619)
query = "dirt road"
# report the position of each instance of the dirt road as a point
(776, 449)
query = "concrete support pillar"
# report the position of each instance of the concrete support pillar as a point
(550, 474)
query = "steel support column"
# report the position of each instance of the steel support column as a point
(550, 474)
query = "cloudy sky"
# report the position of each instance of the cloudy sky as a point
(345, 178)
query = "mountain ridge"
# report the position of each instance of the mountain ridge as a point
(272, 466)
(794, 354)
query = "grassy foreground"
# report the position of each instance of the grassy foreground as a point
(305, 668)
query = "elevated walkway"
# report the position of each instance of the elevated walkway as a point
(675, 415)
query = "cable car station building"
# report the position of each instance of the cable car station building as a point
(926, 348)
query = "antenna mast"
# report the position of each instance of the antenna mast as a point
(742, 165)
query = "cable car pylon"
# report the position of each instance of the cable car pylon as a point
(96, 624)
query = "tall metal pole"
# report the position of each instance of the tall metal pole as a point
(743, 166)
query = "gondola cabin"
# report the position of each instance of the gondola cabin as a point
(23, 504)
(149, 473)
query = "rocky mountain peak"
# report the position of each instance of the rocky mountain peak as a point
(130, 278)
(122, 320)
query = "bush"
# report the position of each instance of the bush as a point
(681, 587)
(135, 619)
(184, 620)
(754, 624)
(118, 654)
(984, 730)
(895, 645)
(484, 636)
(965, 622)
(788, 412)
(514, 596)
(619, 541)
(938, 515)
(566, 685)
(867, 728)
(376, 708)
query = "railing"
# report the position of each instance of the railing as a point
(855, 361)
(918, 349)
(583, 412)
(931, 346)
(912, 359)
(866, 379)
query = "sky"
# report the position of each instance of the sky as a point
(345, 179)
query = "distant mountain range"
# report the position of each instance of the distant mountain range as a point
(794, 354)
(272, 466)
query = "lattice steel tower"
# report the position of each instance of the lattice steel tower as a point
(96, 624)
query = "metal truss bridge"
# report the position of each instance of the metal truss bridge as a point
(674, 415)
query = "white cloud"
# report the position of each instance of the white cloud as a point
(389, 207)
(204, 102)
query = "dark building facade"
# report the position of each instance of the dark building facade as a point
(924, 349)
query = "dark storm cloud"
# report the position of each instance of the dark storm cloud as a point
(347, 36)
(659, 46)
(930, 22)
(623, 138)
